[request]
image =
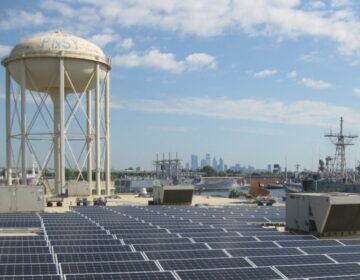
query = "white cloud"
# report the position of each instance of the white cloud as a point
(302, 112)
(18, 18)
(316, 84)
(4, 50)
(62, 8)
(126, 43)
(111, 37)
(165, 61)
(103, 39)
(356, 91)
(315, 5)
(292, 75)
(313, 56)
(197, 61)
(265, 73)
(278, 18)
(340, 3)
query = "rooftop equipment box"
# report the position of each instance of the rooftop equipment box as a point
(21, 199)
(326, 214)
(81, 188)
(180, 194)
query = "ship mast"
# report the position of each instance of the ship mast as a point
(340, 141)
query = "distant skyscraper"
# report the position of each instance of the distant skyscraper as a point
(194, 162)
(203, 163)
(225, 167)
(214, 164)
(208, 160)
(269, 168)
(221, 165)
(187, 166)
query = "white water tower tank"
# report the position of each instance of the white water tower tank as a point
(58, 64)
(42, 52)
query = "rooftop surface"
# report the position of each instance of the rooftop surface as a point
(170, 242)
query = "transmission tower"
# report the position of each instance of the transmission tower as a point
(340, 141)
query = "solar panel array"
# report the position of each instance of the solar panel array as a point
(28, 256)
(170, 242)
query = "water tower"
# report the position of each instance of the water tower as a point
(57, 110)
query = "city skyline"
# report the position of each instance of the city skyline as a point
(219, 165)
(257, 81)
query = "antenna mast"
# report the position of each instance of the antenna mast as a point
(340, 141)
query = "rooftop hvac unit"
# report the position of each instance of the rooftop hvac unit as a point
(325, 214)
(21, 199)
(180, 194)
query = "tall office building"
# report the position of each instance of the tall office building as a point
(221, 165)
(214, 164)
(194, 162)
(203, 163)
(208, 160)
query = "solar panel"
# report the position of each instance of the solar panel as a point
(31, 277)
(27, 269)
(318, 270)
(309, 243)
(132, 231)
(24, 250)
(230, 274)
(103, 267)
(224, 239)
(79, 249)
(20, 224)
(331, 249)
(85, 242)
(263, 233)
(231, 245)
(196, 230)
(290, 260)
(146, 235)
(123, 276)
(22, 243)
(286, 237)
(351, 242)
(264, 252)
(105, 257)
(186, 254)
(343, 258)
(192, 264)
(82, 237)
(169, 247)
(85, 251)
(208, 234)
(353, 277)
(155, 240)
(20, 238)
(36, 258)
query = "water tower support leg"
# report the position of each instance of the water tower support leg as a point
(8, 128)
(107, 133)
(89, 138)
(97, 129)
(62, 125)
(23, 124)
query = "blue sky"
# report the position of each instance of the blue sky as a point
(254, 82)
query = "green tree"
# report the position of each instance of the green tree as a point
(209, 171)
